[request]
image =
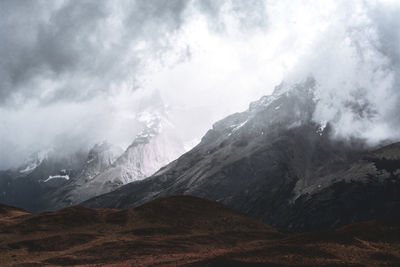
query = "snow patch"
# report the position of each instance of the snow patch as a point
(238, 126)
(29, 168)
(66, 177)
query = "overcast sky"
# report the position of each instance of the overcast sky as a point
(77, 72)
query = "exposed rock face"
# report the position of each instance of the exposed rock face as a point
(100, 157)
(273, 162)
(156, 146)
(152, 148)
(51, 182)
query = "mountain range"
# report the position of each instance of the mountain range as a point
(273, 162)
(53, 179)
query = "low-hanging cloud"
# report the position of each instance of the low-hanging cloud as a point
(81, 70)
(355, 63)
(74, 68)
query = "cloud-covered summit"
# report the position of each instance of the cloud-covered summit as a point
(80, 70)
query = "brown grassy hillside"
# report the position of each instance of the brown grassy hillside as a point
(184, 230)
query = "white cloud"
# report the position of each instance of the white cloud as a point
(81, 70)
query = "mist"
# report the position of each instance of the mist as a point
(74, 73)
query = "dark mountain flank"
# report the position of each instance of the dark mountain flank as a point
(274, 163)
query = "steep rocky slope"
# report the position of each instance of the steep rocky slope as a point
(151, 149)
(274, 163)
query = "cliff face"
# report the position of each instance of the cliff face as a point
(156, 145)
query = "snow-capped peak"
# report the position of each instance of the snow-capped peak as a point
(154, 121)
(284, 89)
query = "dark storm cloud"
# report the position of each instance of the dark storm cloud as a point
(74, 41)
(76, 70)
(66, 65)
(72, 50)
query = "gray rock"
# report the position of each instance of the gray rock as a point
(274, 163)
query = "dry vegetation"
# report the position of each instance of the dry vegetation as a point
(184, 231)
